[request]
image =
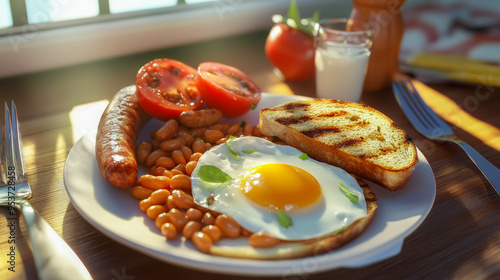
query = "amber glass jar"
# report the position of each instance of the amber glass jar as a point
(387, 22)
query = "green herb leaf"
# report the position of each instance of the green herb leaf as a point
(293, 19)
(233, 152)
(250, 151)
(315, 16)
(293, 15)
(303, 156)
(213, 174)
(243, 123)
(340, 230)
(284, 220)
(350, 195)
(253, 106)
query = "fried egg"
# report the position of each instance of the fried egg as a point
(276, 189)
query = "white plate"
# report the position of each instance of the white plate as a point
(115, 213)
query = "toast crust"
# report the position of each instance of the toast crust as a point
(311, 247)
(361, 149)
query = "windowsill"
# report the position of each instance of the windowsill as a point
(37, 51)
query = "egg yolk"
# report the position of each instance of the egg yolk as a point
(280, 186)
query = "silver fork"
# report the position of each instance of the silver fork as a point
(429, 124)
(54, 259)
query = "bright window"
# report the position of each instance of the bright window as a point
(40, 11)
(199, 1)
(57, 12)
(5, 14)
(121, 6)
(62, 33)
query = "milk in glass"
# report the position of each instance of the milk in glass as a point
(340, 71)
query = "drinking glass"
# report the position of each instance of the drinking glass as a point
(342, 48)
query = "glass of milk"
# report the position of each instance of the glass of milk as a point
(343, 48)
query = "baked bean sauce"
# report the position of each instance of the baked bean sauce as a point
(165, 192)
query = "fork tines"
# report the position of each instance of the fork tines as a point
(3, 156)
(425, 120)
(13, 147)
(420, 107)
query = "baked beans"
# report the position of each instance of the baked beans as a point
(190, 228)
(194, 214)
(165, 193)
(145, 204)
(142, 152)
(165, 162)
(190, 166)
(202, 241)
(172, 144)
(168, 230)
(213, 232)
(159, 196)
(154, 210)
(262, 240)
(212, 135)
(161, 219)
(177, 218)
(154, 155)
(208, 218)
(182, 200)
(178, 157)
(180, 181)
(228, 226)
(199, 146)
(154, 182)
(141, 192)
(167, 131)
(188, 138)
(170, 202)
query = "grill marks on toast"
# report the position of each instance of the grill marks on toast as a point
(293, 120)
(317, 132)
(294, 106)
(349, 143)
(301, 113)
(324, 131)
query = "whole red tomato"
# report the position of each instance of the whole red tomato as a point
(291, 51)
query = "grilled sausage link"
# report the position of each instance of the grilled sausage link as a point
(116, 138)
(199, 118)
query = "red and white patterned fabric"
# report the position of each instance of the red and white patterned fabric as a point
(469, 28)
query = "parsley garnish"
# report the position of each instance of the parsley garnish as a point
(213, 174)
(303, 156)
(284, 220)
(350, 195)
(233, 152)
(250, 151)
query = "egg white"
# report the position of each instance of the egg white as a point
(333, 212)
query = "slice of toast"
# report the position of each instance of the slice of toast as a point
(352, 136)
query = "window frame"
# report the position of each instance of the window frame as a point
(30, 49)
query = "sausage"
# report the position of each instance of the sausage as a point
(199, 118)
(116, 138)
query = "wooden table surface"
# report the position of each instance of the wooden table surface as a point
(459, 239)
